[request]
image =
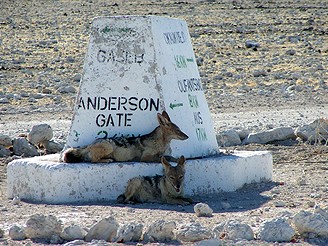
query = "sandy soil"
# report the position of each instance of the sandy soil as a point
(43, 44)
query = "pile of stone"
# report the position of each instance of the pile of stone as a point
(313, 133)
(288, 228)
(39, 140)
(36, 142)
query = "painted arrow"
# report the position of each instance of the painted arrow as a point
(174, 105)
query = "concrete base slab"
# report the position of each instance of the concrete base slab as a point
(46, 180)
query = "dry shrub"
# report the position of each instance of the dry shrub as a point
(321, 132)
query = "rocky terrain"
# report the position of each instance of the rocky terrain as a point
(263, 66)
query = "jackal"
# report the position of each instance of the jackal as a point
(160, 189)
(146, 148)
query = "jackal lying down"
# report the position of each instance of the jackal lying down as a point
(161, 189)
(146, 148)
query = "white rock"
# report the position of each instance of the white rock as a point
(4, 100)
(41, 226)
(301, 181)
(322, 211)
(311, 204)
(129, 232)
(203, 210)
(199, 61)
(4, 151)
(106, 229)
(192, 233)
(73, 232)
(56, 239)
(279, 203)
(159, 231)
(16, 200)
(66, 89)
(272, 135)
(228, 138)
(291, 52)
(276, 230)
(294, 39)
(252, 44)
(77, 77)
(5, 140)
(261, 72)
(233, 229)
(17, 233)
(22, 147)
(75, 242)
(40, 134)
(307, 222)
(53, 147)
(210, 242)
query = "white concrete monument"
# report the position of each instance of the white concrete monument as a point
(135, 67)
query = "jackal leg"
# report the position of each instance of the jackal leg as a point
(179, 200)
(131, 190)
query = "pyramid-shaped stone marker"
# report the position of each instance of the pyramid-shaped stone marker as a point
(135, 67)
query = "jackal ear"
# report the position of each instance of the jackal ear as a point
(162, 120)
(182, 161)
(166, 115)
(165, 163)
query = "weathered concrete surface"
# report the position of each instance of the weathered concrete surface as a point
(45, 180)
(135, 67)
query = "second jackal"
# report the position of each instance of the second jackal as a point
(146, 148)
(160, 189)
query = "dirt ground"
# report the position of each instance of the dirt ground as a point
(42, 48)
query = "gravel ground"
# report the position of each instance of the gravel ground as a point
(283, 82)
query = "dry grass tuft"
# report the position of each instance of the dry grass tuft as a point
(321, 132)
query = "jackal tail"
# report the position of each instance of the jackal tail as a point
(72, 155)
(95, 152)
